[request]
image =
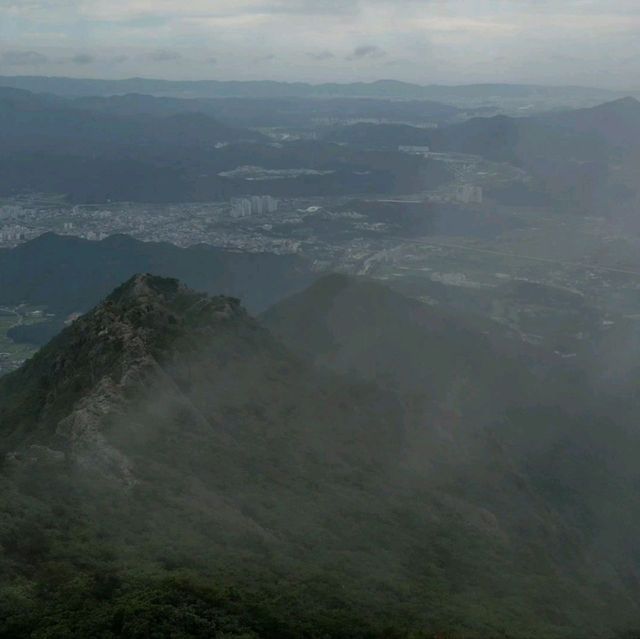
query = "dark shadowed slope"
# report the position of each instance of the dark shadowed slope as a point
(38, 123)
(68, 274)
(359, 325)
(458, 376)
(616, 123)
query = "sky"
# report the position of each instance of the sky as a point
(585, 42)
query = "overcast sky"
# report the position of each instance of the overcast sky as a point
(588, 42)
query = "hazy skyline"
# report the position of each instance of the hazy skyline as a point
(589, 42)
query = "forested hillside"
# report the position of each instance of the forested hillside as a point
(172, 467)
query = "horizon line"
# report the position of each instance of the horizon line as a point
(532, 85)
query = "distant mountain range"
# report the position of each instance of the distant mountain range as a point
(92, 152)
(52, 124)
(568, 134)
(569, 153)
(578, 134)
(327, 482)
(164, 149)
(265, 89)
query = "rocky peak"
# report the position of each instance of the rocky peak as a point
(146, 286)
(116, 345)
(156, 309)
(628, 103)
(145, 289)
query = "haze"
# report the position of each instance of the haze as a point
(587, 42)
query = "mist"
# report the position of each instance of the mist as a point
(319, 320)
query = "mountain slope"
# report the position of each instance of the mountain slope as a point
(616, 123)
(461, 382)
(356, 325)
(581, 135)
(168, 431)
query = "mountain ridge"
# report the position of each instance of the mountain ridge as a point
(210, 88)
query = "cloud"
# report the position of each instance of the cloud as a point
(83, 59)
(321, 55)
(310, 7)
(538, 41)
(366, 51)
(24, 58)
(146, 21)
(165, 55)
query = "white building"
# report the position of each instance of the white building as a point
(254, 205)
(415, 150)
(14, 233)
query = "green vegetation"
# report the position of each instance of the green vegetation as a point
(173, 470)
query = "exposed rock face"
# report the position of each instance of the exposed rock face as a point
(82, 431)
(106, 358)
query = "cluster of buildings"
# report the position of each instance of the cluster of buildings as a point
(415, 150)
(14, 234)
(183, 224)
(254, 205)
